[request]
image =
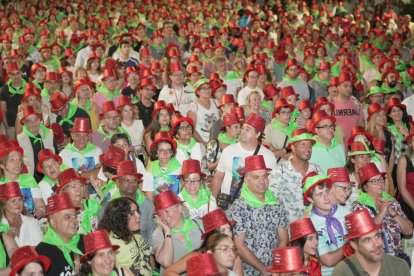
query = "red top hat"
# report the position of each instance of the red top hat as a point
(131, 71)
(301, 228)
(108, 106)
(163, 136)
(333, 82)
(359, 130)
(409, 136)
(256, 121)
(227, 99)
(161, 105)
(63, 70)
(194, 58)
(57, 101)
(230, 119)
(214, 220)
(68, 176)
(80, 83)
(15, 53)
(394, 52)
(379, 145)
(24, 255)
(193, 69)
(324, 66)
(240, 113)
(291, 62)
(305, 103)
(344, 77)
(172, 52)
(96, 241)
(109, 73)
(69, 52)
(367, 172)
(51, 76)
(410, 71)
(81, 125)
(126, 168)
(93, 56)
(57, 132)
(191, 166)
(323, 101)
(360, 223)
(320, 116)
(112, 156)
(44, 155)
(254, 163)
(270, 91)
(281, 103)
(27, 111)
(165, 200)
(287, 259)
(390, 71)
(288, 91)
(144, 52)
(9, 190)
(124, 101)
(280, 56)
(249, 68)
(7, 146)
(12, 67)
(339, 175)
(147, 82)
(394, 102)
(374, 108)
(202, 265)
(177, 119)
(58, 202)
(110, 64)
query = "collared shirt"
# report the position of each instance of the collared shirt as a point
(332, 156)
(286, 183)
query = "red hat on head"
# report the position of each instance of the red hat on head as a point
(165, 200)
(280, 56)
(25, 255)
(367, 172)
(288, 91)
(202, 265)
(333, 82)
(379, 144)
(395, 52)
(177, 119)
(291, 62)
(254, 163)
(394, 102)
(57, 101)
(214, 220)
(323, 101)
(305, 103)
(80, 83)
(301, 228)
(148, 82)
(282, 103)
(44, 155)
(96, 241)
(191, 166)
(287, 259)
(110, 64)
(324, 66)
(57, 132)
(81, 125)
(93, 56)
(249, 69)
(68, 176)
(193, 69)
(339, 175)
(58, 202)
(172, 52)
(256, 121)
(124, 101)
(230, 119)
(410, 71)
(390, 71)
(69, 52)
(270, 91)
(15, 53)
(175, 67)
(12, 67)
(10, 190)
(161, 105)
(108, 106)
(163, 136)
(112, 156)
(360, 223)
(144, 52)
(344, 78)
(320, 116)
(374, 108)
(359, 130)
(29, 110)
(125, 168)
(109, 73)
(227, 99)
(239, 110)
(63, 70)
(51, 76)
(8, 146)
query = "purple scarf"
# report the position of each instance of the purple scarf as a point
(331, 222)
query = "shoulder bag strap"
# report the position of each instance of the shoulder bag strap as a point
(284, 145)
(351, 266)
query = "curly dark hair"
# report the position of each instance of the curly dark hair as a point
(115, 218)
(154, 153)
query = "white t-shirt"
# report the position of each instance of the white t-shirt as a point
(46, 190)
(30, 232)
(205, 118)
(232, 161)
(80, 161)
(136, 132)
(202, 210)
(245, 92)
(181, 99)
(409, 103)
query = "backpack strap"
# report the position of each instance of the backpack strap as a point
(351, 266)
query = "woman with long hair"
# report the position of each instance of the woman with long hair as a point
(66, 82)
(93, 67)
(83, 93)
(254, 105)
(160, 122)
(122, 220)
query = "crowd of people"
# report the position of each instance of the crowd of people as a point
(206, 138)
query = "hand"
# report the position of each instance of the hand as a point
(384, 204)
(265, 273)
(392, 212)
(165, 227)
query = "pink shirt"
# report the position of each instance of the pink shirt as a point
(347, 115)
(100, 98)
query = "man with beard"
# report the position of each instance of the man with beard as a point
(83, 55)
(367, 242)
(292, 79)
(285, 180)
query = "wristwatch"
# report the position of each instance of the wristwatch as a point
(168, 236)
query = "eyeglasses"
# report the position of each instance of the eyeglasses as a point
(162, 151)
(205, 88)
(326, 127)
(344, 188)
(112, 118)
(377, 181)
(177, 75)
(111, 80)
(189, 127)
(194, 182)
(226, 249)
